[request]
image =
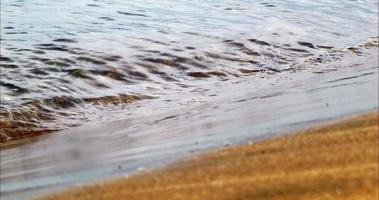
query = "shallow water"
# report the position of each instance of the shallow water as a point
(60, 59)
(151, 81)
(156, 135)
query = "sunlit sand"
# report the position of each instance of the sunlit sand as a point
(337, 161)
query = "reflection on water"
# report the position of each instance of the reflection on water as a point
(57, 54)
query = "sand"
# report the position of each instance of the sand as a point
(335, 161)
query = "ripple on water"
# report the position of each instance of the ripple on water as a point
(64, 62)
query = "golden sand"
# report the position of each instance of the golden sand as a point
(337, 161)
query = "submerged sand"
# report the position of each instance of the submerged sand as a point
(337, 161)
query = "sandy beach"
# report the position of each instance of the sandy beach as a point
(334, 161)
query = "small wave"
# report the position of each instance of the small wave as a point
(64, 74)
(48, 115)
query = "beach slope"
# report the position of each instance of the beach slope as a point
(335, 161)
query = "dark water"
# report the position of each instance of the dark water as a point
(62, 61)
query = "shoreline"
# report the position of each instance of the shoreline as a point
(57, 162)
(188, 99)
(332, 161)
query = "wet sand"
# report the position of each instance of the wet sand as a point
(335, 161)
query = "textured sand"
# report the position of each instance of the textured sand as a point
(337, 161)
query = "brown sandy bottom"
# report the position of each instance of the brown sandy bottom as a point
(337, 161)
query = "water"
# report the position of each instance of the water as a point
(142, 70)
(56, 55)
(157, 134)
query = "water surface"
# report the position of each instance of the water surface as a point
(56, 55)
